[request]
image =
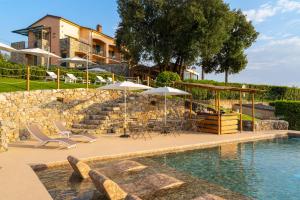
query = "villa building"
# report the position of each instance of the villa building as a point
(66, 39)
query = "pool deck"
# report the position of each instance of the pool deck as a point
(19, 181)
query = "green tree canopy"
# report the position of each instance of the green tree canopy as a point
(183, 32)
(232, 59)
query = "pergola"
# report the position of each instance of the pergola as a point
(217, 90)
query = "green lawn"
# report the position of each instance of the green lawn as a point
(12, 85)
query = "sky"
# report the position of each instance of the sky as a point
(273, 59)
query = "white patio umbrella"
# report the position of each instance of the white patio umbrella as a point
(5, 47)
(39, 52)
(75, 60)
(97, 70)
(165, 91)
(125, 86)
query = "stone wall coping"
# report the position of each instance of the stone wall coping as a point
(161, 151)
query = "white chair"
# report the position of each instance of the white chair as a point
(51, 76)
(99, 79)
(70, 78)
(109, 80)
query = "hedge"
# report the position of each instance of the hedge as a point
(8, 69)
(271, 93)
(289, 111)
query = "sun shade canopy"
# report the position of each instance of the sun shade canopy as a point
(126, 85)
(75, 60)
(5, 47)
(218, 88)
(165, 91)
(38, 52)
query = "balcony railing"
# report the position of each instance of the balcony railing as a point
(99, 53)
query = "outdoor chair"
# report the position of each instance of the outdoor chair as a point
(138, 130)
(37, 133)
(83, 81)
(100, 79)
(109, 80)
(70, 78)
(51, 76)
(63, 131)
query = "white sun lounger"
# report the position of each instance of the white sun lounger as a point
(36, 132)
(70, 78)
(100, 79)
(67, 133)
(109, 80)
(51, 76)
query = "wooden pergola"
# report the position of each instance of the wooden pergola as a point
(217, 90)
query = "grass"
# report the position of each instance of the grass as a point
(13, 85)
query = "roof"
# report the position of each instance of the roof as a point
(219, 88)
(25, 31)
(60, 18)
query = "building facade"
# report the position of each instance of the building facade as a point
(66, 39)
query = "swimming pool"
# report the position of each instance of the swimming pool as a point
(260, 170)
(256, 170)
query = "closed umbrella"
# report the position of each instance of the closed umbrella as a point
(5, 47)
(125, 86)
(165, 91)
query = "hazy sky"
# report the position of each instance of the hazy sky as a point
(274, 59)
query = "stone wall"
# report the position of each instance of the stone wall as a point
(266, 125)
(44, 107)
(72, 106)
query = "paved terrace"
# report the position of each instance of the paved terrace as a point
(18, 180)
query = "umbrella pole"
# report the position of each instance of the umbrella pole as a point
(125, 135)
(48, 59)
(165, 109)
(87, 73)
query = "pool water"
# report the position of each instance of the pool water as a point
(259, 170)
(256, 170)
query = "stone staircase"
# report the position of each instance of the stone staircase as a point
(106, 118)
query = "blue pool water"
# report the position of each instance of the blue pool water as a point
(259, 170)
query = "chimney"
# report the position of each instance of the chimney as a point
(99, 28)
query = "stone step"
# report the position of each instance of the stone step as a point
(93, 122)
(111, 108)
(98, 117)
(84, 126)
(90, 131)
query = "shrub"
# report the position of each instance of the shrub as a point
(289, 111)
(166, 78)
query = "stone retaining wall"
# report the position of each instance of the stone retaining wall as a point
(266, 125)
(72, 106)
(44, 107)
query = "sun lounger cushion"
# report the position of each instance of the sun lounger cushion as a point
(122, 167)
(151, 184)
(106, 186)
(80, 168)
(209, 197)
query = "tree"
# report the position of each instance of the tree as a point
(215, 31)
(232, 59)
(164, 31)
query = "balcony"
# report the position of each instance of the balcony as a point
(98, 53)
